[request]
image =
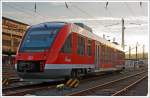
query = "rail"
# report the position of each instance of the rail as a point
(82, 92)
(124, 90)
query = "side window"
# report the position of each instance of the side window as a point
(89, 46)
(67, 45)
(81, 45)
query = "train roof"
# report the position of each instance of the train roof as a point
(84, 26)
(84, 32)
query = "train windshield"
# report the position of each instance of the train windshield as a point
(40, 37)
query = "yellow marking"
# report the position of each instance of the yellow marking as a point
(69, 81)
(73, 83)
(5, 81)
(76, 85)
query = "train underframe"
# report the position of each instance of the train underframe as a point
(28, 71)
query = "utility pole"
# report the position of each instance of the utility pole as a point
(136, 55)
(143, 52)
(136, 51)
(123, 28)
(129, 52)
(35, 7)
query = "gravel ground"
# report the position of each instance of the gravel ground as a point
(111, 89)
(141, 89)
(18, 84)
(87, 84)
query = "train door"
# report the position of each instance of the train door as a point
(97, 56)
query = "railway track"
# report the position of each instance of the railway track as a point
(22, 90)
(25, 89)
(9, 76)
(108, 88)
(127, 88)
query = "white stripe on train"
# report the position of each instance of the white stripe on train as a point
(68, 66)
(71, 66)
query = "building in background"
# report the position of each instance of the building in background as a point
(12, 32)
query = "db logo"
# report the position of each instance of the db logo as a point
(67, 59)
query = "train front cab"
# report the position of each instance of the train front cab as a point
(39, 47)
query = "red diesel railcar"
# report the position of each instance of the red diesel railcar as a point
(54, 50)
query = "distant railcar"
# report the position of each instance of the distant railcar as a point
(54, 50)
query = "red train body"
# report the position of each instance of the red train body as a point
(58, 50)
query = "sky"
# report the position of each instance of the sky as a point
(102, 19)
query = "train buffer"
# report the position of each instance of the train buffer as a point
(73, 83)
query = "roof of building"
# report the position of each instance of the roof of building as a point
(15, 21)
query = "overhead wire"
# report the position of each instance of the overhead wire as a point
(86, 13)
(106, 10)
(20, 10)
(73, 6)
(28, 11)
(44, 17)
(109, 15)
(32, 12)
(133, 48)
(133, 15)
